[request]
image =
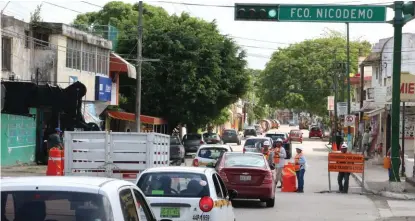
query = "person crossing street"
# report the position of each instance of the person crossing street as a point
(343, 187)
(279, 161)
(300, 167)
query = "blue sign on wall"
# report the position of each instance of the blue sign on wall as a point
(103, 87)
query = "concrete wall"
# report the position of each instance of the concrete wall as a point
(18, 139)
(20, 55)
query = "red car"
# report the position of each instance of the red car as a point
(296, 135)
(316, 132)
(249, 174)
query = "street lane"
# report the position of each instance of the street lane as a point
(312, 205)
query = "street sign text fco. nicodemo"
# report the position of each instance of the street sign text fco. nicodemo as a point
(333, 13)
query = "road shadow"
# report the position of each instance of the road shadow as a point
(252, 204)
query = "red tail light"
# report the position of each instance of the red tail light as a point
(206, 204)
(268, 178)
(223, 176)
(201, 142)
(244, 150)
(196, 162)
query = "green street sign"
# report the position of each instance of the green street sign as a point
(256, 12)
(333, 13)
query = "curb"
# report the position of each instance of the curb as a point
(400, 196)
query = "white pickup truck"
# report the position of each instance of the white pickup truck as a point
(119, 155)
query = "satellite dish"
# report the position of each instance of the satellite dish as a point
(3, 95)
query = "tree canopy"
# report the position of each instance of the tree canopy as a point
(200, 72)
(301, 76)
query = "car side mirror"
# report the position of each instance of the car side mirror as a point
(233, 194)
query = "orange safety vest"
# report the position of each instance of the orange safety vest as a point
(297, 161)
(277, 155)
(266, 154)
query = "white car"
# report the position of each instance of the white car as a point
(187, 193)
(72, 198)
(254, 144)
(209, 153)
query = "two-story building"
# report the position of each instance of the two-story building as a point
(381, 61)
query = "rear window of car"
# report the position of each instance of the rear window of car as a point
(275, 136)
(244, 160)
(315, 129)
(229, 132)
(192, 137)
(252, 142)
(210, 135)
(211, 152)
(174, 140)
(295, 132)
(174, 184)
(54, 205)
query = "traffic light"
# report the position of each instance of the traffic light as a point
(256, 12)
(408, 9)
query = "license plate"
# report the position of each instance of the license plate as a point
(170, 213)
(245, 178)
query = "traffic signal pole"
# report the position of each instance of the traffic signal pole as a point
(398, 23)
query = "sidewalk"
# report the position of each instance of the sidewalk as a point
(23, 170)
(376, 181)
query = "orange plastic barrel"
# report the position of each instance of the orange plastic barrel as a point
(63, 161)
(54, 162)
(289, 179)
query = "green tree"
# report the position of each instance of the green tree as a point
(301, 76)
(36, 17)
(200, 71)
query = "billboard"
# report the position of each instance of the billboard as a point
(103, 86)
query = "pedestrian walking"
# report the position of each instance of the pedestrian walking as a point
(401, 155)
(300, 167)
(279, 161)
(343, 186)
(366, 141)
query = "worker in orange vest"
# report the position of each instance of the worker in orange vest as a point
(343, 187)
(279, 160)
(300, 166)
(265, 148)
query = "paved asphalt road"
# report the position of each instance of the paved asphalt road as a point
(316, 204)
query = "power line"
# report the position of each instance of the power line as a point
(63, 7)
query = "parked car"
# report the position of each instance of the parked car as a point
(286, 142)
(177, 151)
(209, 154)
(193, 193)
(249, 174)
(316, 132)
(212, 138)
(254, 144)
(296, 135)
(72, 198)
(231, 136)
(292, 124)
(250, 131)
(192, 142)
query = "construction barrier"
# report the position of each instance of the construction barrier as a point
(346, 162)
(55, 163)
(289, 179)
(63, 161)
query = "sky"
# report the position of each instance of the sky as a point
(259, 39)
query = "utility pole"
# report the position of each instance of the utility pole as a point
(139, 63)
(349, 136)
(1, 38)
(362, 90)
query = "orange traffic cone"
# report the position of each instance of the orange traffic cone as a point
(54, 162)
(289, 181)
(334, 146)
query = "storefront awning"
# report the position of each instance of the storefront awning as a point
(119, 115)
(375, 112)
(119, 65)
(368, 106)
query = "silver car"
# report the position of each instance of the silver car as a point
(254, 144)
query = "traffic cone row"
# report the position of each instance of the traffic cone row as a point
(55, 162)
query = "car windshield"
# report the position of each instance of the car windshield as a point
(315, 129)
(174, 140)
(245, 160)
(174, 184)
(276, 136)
(54, 205)
(252, 142)
(192, 137)
(211, 152)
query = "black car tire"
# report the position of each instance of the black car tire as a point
(270, 202)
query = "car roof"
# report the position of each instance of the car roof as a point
(242, 153)
(214, 145)
(89, 184)
(275, 133)
(201, 170)
(230, 129)
(258, 138)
